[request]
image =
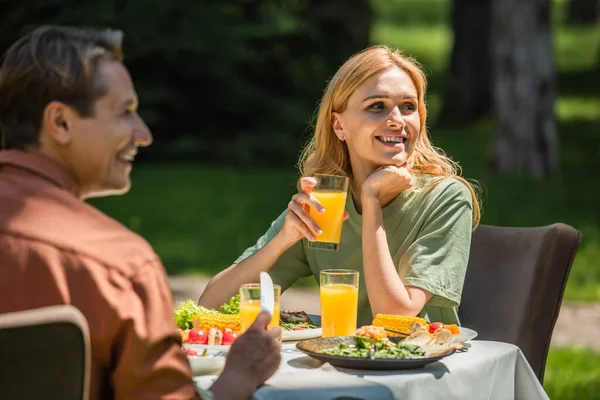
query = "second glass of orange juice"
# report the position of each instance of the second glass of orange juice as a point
(331, 191)
(250, 305)
(339, 302)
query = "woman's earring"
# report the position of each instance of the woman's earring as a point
(342, 137)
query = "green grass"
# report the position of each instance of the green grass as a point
(572, 374)
(199, 219)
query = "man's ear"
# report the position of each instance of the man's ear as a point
(336, 125)
(57, 122)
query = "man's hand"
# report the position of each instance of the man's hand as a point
(253, 358)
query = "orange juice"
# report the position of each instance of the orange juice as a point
(339, 303)
(330, 222)
(250, 309)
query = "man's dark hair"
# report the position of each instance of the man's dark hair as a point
(51, 63)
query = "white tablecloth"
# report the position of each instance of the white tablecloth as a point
(487, 371)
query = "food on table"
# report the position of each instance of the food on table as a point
(229, 336)
(402, 323)
(191, 352)
(370, 331)
(186, 311)
(295, 321)
(217, 320)
(215, 337)
(435, 326)
(288, 320)
(195, 322)
(398, 323)
(185, 335)
(199, 325)
(232, 306)
(431, 343)
(197, 336)
(419, 343)
(453, 328)
(211, 336)
(384, 348)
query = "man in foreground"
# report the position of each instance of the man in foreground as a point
(70, 131)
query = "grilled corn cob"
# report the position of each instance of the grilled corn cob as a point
(398, 323)
(218, 321)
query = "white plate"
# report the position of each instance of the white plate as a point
(211, 347)
(303, 334)
(207, 365)
(292, 336)
(466, 334)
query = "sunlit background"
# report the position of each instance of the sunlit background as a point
(229, 89)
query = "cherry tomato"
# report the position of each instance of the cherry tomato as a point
(435, 326)
(229, 337)
(197, 336)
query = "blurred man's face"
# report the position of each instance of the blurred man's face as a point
(102, 147)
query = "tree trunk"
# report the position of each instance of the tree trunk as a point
(467, 95)
(583, 12)
(524, 88)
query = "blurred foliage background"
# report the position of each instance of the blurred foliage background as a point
(229, 89)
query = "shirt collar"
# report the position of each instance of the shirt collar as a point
(41, 165)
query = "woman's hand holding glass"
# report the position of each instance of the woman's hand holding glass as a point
(298, 223)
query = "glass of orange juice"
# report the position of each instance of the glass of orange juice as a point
(331, 191)
(250, 305)
(339, 302)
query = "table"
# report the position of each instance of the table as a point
(488, 370)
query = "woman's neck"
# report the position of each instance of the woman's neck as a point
(360, 173)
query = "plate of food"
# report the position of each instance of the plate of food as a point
(205, 362)
(203, 328)
(398, 325)
(372, 349)
(355, 352)
(298, 325)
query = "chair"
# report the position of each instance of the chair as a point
(44, 354)
(515, 283)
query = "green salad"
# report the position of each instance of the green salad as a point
(383, 349)
(185, 312)
(232, 306)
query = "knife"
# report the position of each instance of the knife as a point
(267, 297)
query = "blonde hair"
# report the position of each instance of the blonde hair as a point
(326, 154)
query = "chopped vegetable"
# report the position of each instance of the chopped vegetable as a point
(383, 349)
(294, 321)
(453, 328)
(190, 352)
(229, 336)
(186, 311)
(373, 332)
(217, 321)
(232, 306)
(197, 336)
(434, 327)
(398, 323)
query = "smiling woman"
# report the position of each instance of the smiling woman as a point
(409, 216)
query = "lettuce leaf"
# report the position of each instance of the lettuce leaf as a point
(232, 306)
(185, 312)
